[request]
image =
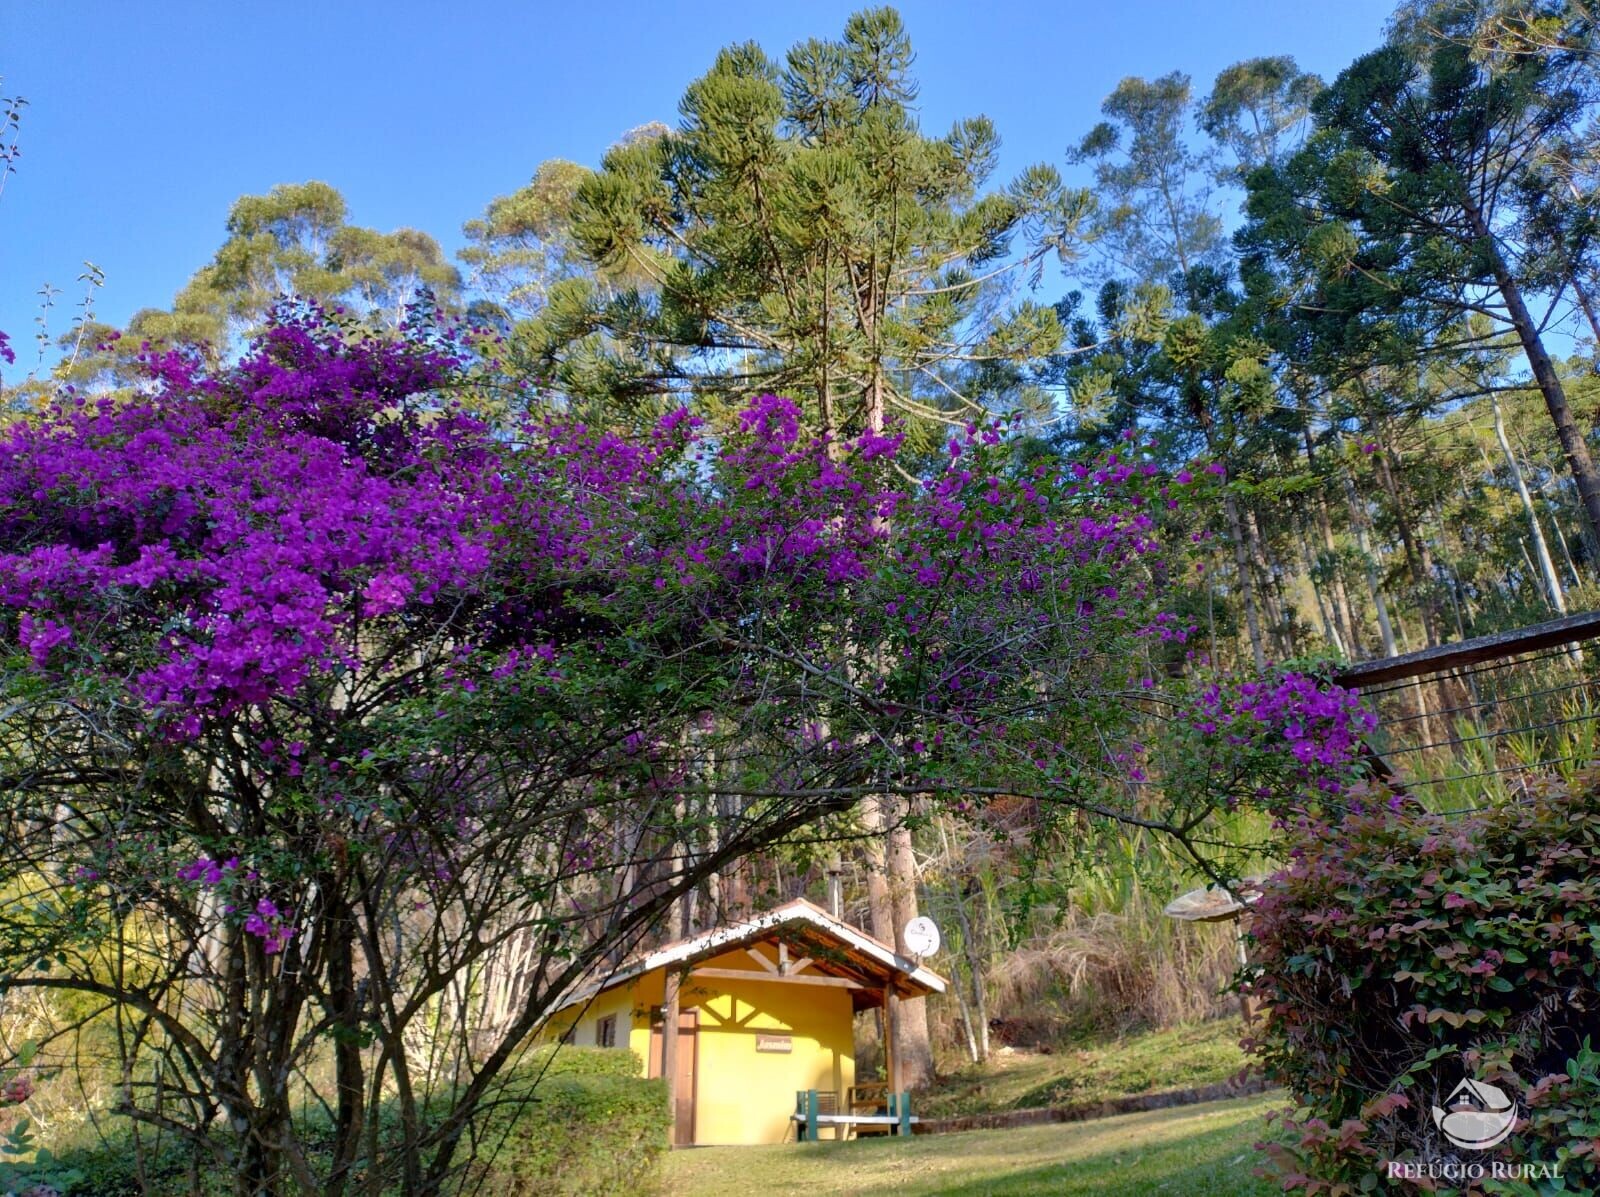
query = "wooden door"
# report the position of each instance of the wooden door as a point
(688, 1066)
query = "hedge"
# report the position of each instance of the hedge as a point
(570, 1121)
(589, 1125)
(1401, 952)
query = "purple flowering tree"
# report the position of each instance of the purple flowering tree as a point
(345, 732)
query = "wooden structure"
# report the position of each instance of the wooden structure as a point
(740, 1018)
(1554, 633)
(1488, 715)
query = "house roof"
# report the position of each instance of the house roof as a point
(837, 949)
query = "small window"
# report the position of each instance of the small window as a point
(605, 1033)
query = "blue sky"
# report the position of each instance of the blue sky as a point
(146, 121)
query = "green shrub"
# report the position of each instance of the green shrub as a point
(551, 1061)
(565, 1121)
(88, 1165)
(1401, 952)
(589, 1125)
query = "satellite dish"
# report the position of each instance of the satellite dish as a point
(922, 936)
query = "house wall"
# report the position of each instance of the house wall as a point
(742, 1095)
(584, 1021)
(747, 1096)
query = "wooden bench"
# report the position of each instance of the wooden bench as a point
(818, 1108)
(871, 1099)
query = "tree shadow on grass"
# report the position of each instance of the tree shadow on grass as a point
(1219, 1161)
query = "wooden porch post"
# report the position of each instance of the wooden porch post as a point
(669, 1050)
(891, 1060)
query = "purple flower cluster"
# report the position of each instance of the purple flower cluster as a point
(1322, 724)
(39, 635)
(258, 517)
(247, 529)
(1307, 734)
(207, 871)
(268, 924)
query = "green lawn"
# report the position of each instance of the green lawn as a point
(1193, 1151)
(1092, 1071)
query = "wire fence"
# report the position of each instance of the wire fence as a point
(1478, 723)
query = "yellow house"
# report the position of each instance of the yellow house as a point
(764, 1008)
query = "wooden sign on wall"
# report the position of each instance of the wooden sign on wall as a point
(774, 1043)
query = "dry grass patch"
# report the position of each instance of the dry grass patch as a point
(1091, 1071)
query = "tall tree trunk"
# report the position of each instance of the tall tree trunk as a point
(1533, 572)
(913, 1044)
(1266, 575)
(1571, 436)
(1420, 577)
(1358, 522)
(1330, 627)
(1457, 602)
(1343, 608)
(1247, 590)
(975, 969)
(1547, 566)
(967, 1028)
(1550, 489)
(1290, 638)
(1573, 576)
(880, 905)
(894, 894)
(733, 887)
(1343, 611)
(344, 1002)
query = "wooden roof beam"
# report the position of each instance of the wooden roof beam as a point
(748, 974)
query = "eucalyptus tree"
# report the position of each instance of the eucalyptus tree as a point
(296, 240)
(1157, 219)
(522, 244)
(1258, 111)
(1175, 350)
(1506, 30)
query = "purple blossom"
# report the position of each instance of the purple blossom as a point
(268, 924)
(207, 871)
(39, 635)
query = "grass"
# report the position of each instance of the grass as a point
(1193, 1151)
(1091, 1071)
